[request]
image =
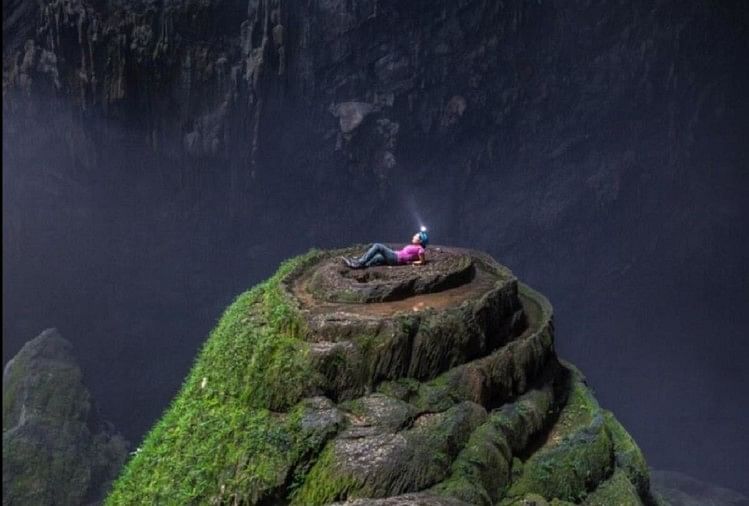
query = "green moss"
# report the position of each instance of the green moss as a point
(45, 473)
(616, 490)
(464, 489)
(481, 471)
(523, 419)
(368, 346)
(436, 395)
(221, 439)
(325, 483)
(485, 467)
(348, 296)
(441, 438)
(578, 412)
(628, 455)
(234, 433)
(11, 387)
(435, 398)
(535, 500)
(540, 308)
(49, 453)
(402, 388)
(576, 455)
(367, 343)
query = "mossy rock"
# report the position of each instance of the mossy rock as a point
(617, 490)
(416, 499)
(497, 377)
(482, 472)
(628, 455)
(55, 449)
(585, 457)
(239, 428)
(359, 345)
(387, 463)
(575, 455)
(294, 400)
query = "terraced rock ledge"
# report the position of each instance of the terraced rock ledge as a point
(405, 385)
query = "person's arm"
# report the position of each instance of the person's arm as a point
(422, 259)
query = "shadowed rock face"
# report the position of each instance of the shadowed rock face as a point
(55, 450)
(448, 396)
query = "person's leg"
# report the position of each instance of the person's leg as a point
(391, 257)
(373, 250)
(377, 259)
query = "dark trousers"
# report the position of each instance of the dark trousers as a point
(378, 254)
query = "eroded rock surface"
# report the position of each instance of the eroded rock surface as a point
(449, 394)
(335, 282)
(456, 308)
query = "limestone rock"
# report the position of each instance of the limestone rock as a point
(442, 395)
(678, 489)
(351, 114)
(55, 450)
(335, 282)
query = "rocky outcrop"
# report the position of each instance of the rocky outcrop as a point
(452, 394)
(55, 449)
(678, 489)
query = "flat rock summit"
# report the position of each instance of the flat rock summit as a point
(393, 385)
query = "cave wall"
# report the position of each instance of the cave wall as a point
(161, 156)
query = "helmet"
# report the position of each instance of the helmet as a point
(424, 237)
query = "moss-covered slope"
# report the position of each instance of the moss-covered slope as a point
(238, 428)
(454, 396)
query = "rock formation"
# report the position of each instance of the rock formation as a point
(394, 385)
(678, 489)
(55, 449)
(562, 134)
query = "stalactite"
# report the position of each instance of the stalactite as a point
(90, 38)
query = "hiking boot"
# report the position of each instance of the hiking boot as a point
(353, 264)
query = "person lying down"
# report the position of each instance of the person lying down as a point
(379, 254)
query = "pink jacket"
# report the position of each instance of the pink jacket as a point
(410, 253)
